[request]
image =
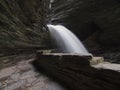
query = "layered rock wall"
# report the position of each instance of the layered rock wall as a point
(86, 17)
(22, 22)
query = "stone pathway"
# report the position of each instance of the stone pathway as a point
(22, 76)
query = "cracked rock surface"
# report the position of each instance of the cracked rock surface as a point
(22, 76)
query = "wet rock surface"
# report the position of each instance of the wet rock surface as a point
(21, 75)
(75, 73)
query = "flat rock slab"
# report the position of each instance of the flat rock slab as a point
(65, 58)
(107, 65)
(75, 72)
(22, 76)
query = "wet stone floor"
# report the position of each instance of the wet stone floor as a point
(19, 74)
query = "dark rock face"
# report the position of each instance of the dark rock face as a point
(21, 23)
(85, 17)
(75, 73)
(113, 57)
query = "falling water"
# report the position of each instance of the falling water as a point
(66, 40)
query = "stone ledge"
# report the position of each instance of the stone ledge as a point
(75, 72)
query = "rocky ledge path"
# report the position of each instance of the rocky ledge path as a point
(17, 73)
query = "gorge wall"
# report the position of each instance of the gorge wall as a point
(96, 23)
(22, 22)
(93, 21)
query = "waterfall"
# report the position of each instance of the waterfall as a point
(66, 40)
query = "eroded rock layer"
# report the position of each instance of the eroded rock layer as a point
(75, 73)
(22, 22)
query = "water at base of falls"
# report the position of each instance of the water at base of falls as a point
(66, 40)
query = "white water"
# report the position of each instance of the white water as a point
(66, 40)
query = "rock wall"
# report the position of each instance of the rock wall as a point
(88, 17)
(75, 73)
(22, 22)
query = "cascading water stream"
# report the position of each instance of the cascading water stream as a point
(66, 40)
